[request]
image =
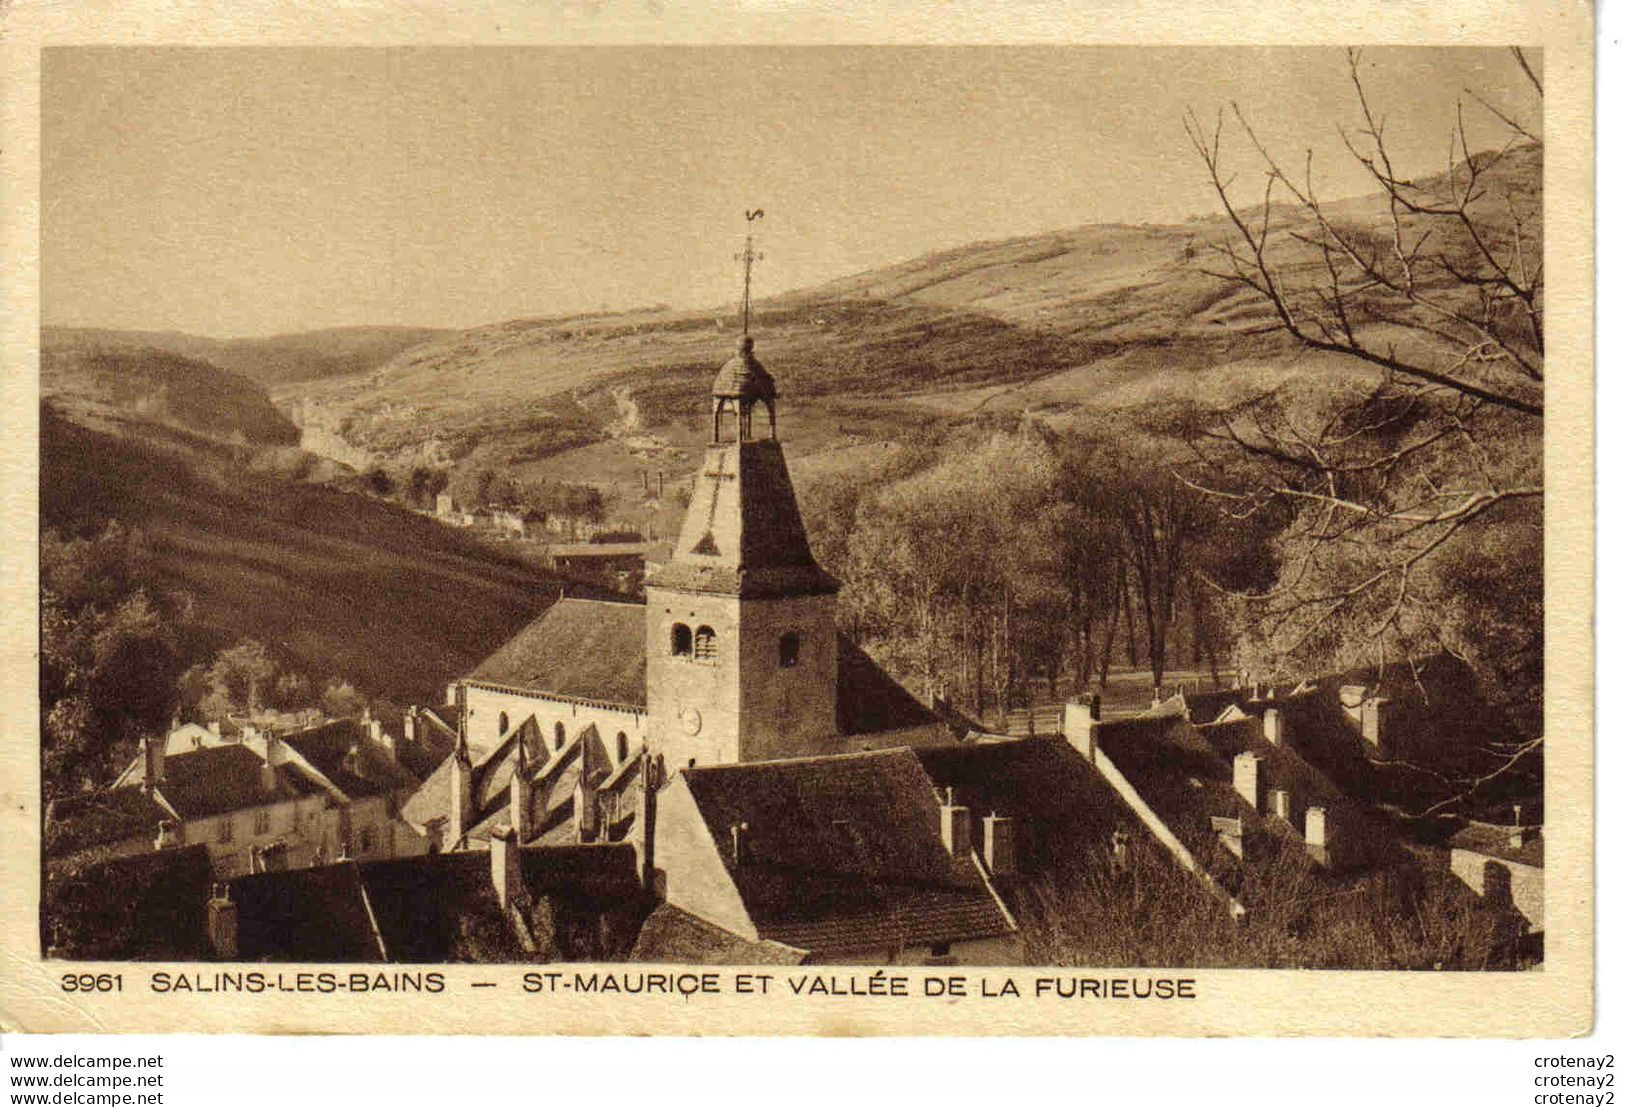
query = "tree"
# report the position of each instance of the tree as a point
(1423, 454)
(109, 655)
(341, 701)
(240, 680)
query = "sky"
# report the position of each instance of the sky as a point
(243, 191)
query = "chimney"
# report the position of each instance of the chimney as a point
(214, 728)
(505, 875)
(1371, 729)
(999, 845)
(1515, 839)
(520, 793)
(1080, 723)
(153, 751)
(1274, 726)
(1244, 777)
(222, 924)
(409, 727)
(1281, 804)
(273, 753)
(451, 695)
(169, 835)
(1314, 833)
(375, 730)
(740, 833)
(955, 824)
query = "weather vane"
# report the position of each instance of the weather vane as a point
(749, 257)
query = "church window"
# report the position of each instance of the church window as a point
(620, 746)
(558, 736)
(682, 640)
(789, 651)
(502, 724)
(705, 644)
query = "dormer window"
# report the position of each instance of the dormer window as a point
(558, 736)
(682, 640)
(502, 724)
(789, 650)
(705, 645)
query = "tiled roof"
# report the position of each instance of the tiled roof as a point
(671, 935)
(436, 734)
(1184, 780)
(370, 772)
(147, 906)
(493, 775)
(1436, 736)
(214, 780)
(595, 550)
(585, 649)
(1063, 812)
(317, 914)
(844, 853)
(869, 699)
(442, 907)
(743, 535)
(742, 376)
(1358, 839)
(1495, 841)
(102, 818)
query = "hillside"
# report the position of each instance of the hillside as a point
(164, 387)
(340, 585)
(1098, 317)
(275, 360)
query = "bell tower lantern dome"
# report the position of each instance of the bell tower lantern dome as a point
(741, 386)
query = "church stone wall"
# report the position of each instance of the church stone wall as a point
(678, 686)
(789, 711)
(487, 705)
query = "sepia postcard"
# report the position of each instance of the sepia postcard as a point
(588, 520)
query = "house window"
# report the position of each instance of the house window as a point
(367, 841)
(789, 650)
(223, 831)
(939, 949)
(705, 645)
(682, 640)
(558, 736)
(620, 746)
(262, 821)
(502, 724)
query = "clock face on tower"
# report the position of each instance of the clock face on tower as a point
(689, 719)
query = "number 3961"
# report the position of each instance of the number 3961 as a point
(93, 982)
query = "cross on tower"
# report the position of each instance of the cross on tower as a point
(749, 257)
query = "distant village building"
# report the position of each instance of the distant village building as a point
(599, 559)
(255, 800)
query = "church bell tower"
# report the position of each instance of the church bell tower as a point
(741, 648)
